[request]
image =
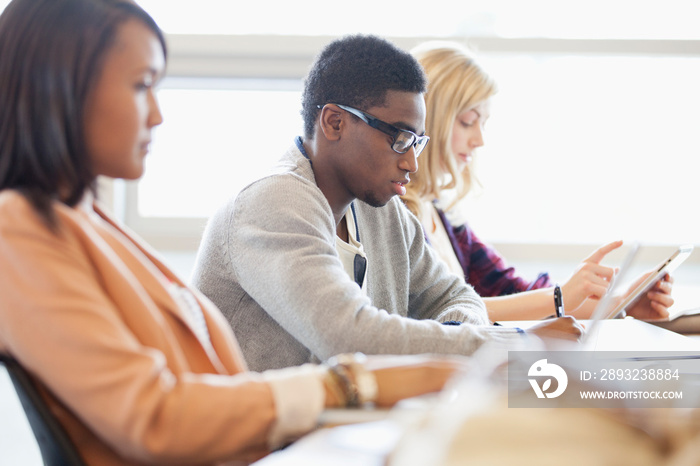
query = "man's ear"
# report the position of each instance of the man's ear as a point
(331, 122)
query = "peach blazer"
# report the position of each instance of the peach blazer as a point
(89, 313)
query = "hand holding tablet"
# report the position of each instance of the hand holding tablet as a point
(659, 272)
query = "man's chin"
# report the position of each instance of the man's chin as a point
(374, 201)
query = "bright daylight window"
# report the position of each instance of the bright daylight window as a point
(592, 135)
(578, 149)
(591, 149)
(213, 142)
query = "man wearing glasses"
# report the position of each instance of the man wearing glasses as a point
(321, 257)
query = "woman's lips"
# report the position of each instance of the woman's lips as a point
(466, 158)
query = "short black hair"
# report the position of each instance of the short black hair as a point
(51, 55)
(358, 70)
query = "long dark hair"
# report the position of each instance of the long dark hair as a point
(51, 55)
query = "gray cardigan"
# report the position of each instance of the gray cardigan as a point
(268, 260)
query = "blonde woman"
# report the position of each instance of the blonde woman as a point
(458, 105)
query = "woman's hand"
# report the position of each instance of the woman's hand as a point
(590, 280)
(655, 303)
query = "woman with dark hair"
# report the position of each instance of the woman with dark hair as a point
(137, 366)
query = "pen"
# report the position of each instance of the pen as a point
(558, 301)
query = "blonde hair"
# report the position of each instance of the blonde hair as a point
(456, 83)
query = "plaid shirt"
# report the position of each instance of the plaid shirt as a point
(483, 267)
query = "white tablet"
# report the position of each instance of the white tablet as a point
(665, 267)
(605, 308)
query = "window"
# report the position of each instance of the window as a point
(215, 141)
(218, 135)
(587, 149)
(581, 147)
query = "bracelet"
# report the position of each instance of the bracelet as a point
(336, 387)
(558, 301)
(341, 374)
(358, 384)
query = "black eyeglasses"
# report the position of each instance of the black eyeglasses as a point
(403, 138)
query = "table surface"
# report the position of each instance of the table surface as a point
(369, 443)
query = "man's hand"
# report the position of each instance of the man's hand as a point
(565, 328)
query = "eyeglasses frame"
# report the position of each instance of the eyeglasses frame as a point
(387, 129)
